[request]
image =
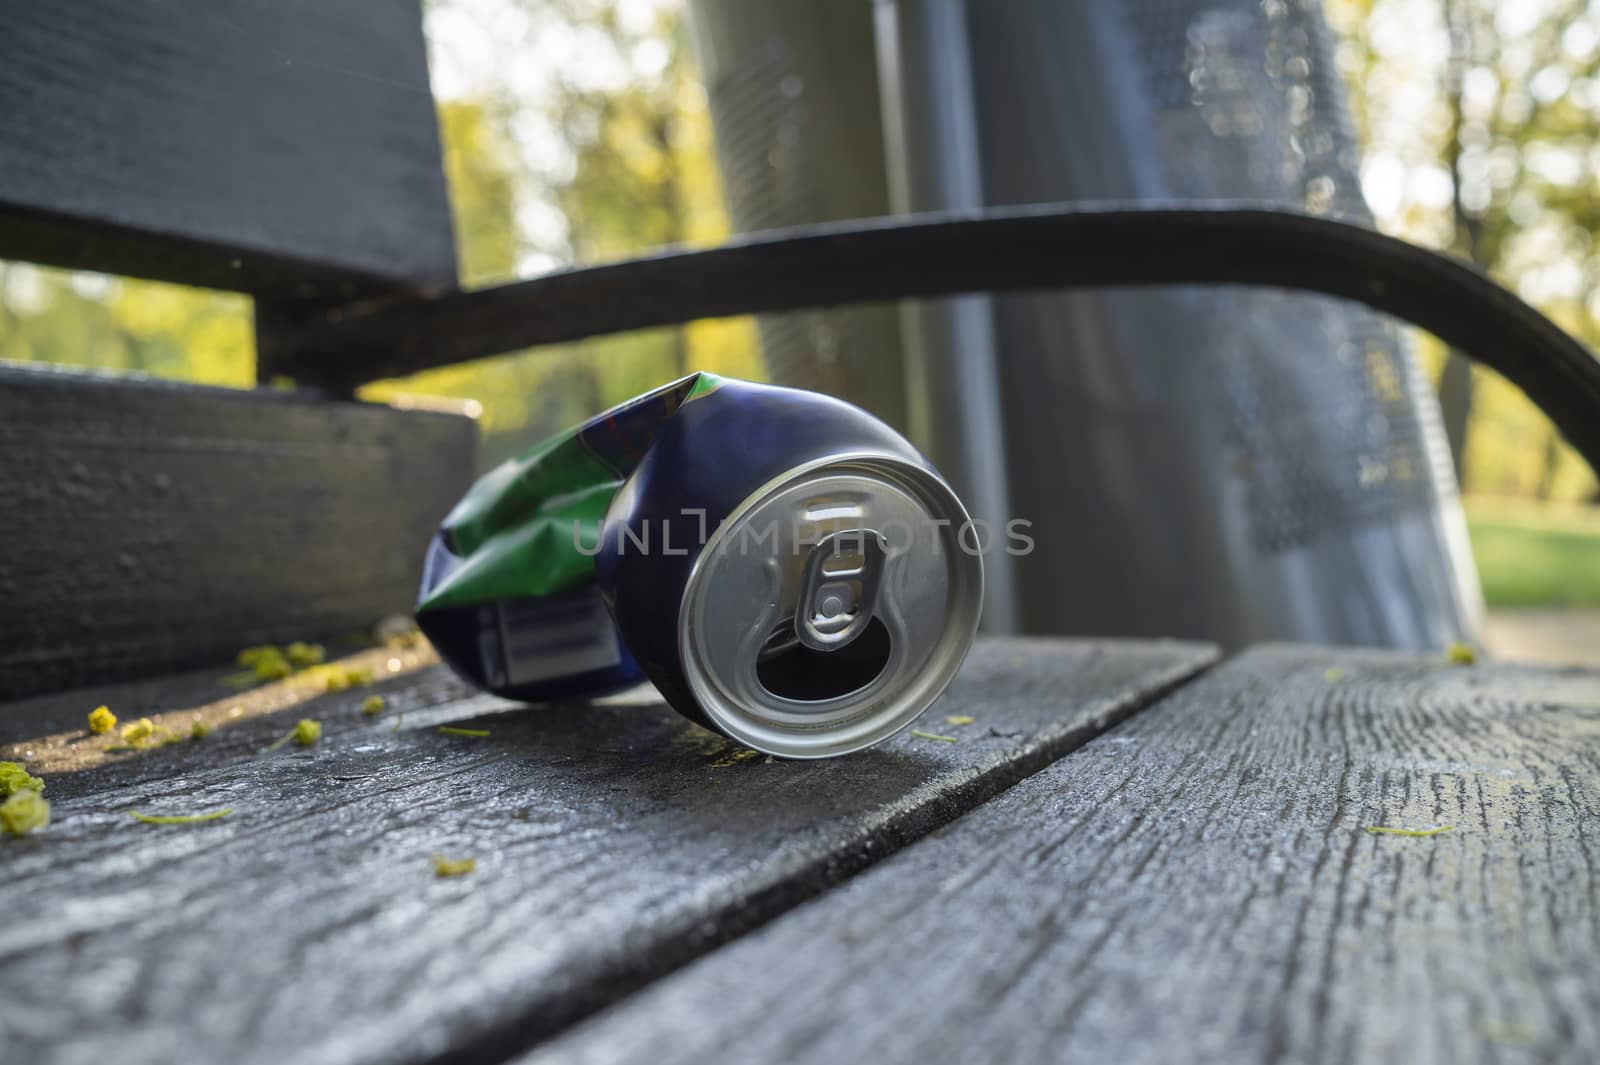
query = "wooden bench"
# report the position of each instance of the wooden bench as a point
(1132, 851)
(284, 150)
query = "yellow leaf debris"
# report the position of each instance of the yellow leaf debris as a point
(275, 668)
(180, 819)
(136, 732)
(443, 866)
(25, 811)
(102, 720)
(14, 778)
(251, 655)
(932, 736)
(332, 679)
(1460, 654)
(957, 720)
(301, 655)
(734, 756)
(372, 705)
(305, 732)
(475, 733)
(266, 662)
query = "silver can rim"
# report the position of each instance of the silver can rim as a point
(966, 605)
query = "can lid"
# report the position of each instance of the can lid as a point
(831, 607)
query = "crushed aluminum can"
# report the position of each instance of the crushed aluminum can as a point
(782, 566)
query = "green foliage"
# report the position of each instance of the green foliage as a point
(1535, 557)
(108, 323)
(1481, 124)
(641, 174)
(480, 169)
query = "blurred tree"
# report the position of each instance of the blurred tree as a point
(644, 175)
(1482, 129)
(1481, 120)
(634, 170)
(480, 167)
(519, 397)
(91, 320)
(628, 166)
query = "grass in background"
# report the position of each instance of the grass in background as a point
(1530, 555)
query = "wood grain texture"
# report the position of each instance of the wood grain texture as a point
(269, 146)
(613, 843)
(1197, 885)
(148, 525)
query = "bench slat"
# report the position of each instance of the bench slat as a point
(613, 844)
(148, 525)
(270, 146)
(1198, 885)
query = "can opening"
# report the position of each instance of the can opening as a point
(790, 670)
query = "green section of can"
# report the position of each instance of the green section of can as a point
(518, 530)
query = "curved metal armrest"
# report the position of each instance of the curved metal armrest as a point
(999, 250)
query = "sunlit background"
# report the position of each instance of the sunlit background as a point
(577, 131)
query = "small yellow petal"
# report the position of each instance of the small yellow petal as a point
(301, 655)
(443, 866)
(180, 819)
(305, 732)
(24, 812)
(137, 732)
(273, 667)
(251, 655)
(14, 778)
(102, 720)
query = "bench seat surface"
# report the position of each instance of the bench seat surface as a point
(613, 844)
(1129, 854)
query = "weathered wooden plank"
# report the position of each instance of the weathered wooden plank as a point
(1197, 886)
(148, 524)
(613, 843)
(270, 146)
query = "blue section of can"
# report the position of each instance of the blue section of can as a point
(707, 460)
(687, 466)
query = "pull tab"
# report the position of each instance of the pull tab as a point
(839, 588)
